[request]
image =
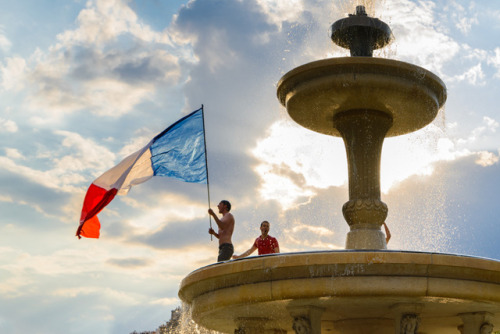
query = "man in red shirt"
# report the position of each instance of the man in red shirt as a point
(264, 243)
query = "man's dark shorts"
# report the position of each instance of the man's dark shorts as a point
(225, 252)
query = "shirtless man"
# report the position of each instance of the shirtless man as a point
(226, 227)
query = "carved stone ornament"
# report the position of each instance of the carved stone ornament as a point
(486, 328)
(365, 211)
(409, 324)
(301, 325)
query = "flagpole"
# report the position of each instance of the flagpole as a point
(206, 165)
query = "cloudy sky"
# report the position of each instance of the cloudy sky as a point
(85, 83)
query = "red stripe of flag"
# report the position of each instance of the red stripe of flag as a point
(95, 200)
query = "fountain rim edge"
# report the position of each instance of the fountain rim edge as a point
(353, 61)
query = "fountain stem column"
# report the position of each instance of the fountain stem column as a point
(363, 132)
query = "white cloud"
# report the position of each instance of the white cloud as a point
(104, 20)
(490, 125)
(280, 11)
(139, 140)
(294, 161)
(474, 53)
(114, 97)
(495, 61)
(464, 18)
(110, 83)
(14, 153)
(8, 125)
(166, 301)
(318, 230)
(486, 159)
(283, 189)
(85, 154)
(5, 43)
(65, 168)
(418, 40)
(7, 199)
(111, 294)
(55, 179)
(152, 215)
(474, 76)
(305, 236)
(13, 73)
(110, 63)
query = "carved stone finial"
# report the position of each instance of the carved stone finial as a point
(360, 33)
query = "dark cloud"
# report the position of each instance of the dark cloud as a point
(28, 194)
(128, 64)
(129, 262)
(176, 235)
(237, 22)
(324, 211)
(224, 38)
(110, 228)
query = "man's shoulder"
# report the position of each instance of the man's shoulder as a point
(228, 216)
(268, 238)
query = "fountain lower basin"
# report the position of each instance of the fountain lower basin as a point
(347, 291)
(315, 92)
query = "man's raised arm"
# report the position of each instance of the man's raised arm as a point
(248, 252)
(222, 223)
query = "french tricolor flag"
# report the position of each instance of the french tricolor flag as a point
(178, 152)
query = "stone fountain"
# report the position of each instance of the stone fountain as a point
(364, 289)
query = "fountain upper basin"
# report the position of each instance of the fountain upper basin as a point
(315, 92)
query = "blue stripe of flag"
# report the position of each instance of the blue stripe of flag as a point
(179, 151)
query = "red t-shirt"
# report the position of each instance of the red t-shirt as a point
(267, 245)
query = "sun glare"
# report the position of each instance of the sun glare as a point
(295, 162)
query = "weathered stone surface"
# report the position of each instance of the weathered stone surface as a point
(346, 285)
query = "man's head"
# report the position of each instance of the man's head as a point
(224, 206)
(265, 227)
